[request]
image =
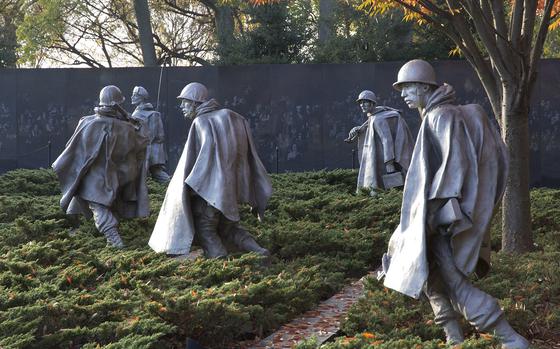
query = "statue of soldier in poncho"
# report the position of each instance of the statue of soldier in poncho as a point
(455, 180)
(156, 157)
(101, 170)
(384, 145)
(218, 170)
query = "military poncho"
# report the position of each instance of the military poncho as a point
(151, 118)
(103, 163)
(220, 164)
(387, 138)
(458, 155)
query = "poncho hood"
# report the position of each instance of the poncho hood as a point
(445, 94)
(145, 106)
(384, 108)
(207, 107)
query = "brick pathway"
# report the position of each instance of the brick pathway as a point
(323, 322)
(191, 256)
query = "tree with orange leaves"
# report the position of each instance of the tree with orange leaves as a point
(503, 41)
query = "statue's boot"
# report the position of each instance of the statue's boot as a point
(509, 338)
(453, 332)
(211, 244)
(113, 238)
(245, 242)
(158, 174)
(106, 222)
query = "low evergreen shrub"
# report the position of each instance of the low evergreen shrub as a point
(527, 287)
(61, 287)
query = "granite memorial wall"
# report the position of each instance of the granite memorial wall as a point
(299, 114)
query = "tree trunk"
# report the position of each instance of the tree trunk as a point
(225, 27)
(8, 41)
(142, 11)
(517, 236)
(326, 20)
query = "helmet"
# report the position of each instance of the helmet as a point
(141, 92)
(368, 96)
(110, 95)
(194, 91)
(416, 70)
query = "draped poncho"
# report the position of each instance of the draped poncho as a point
(220, 164)
(458, 155)
(387, 138)
(151, 118)
(103, 163)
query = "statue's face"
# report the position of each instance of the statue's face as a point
(415, 95)
(189, 108)
(135, 99)
(367, 106)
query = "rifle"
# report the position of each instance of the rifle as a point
(165, 60)
(350, 139)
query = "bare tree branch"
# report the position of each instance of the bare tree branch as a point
(486, 34)
(104, 33)
(458, 30)
(87, 59)
(516, 24)
(529, 17)
(104, 47)
(424, 15)
(500, 26)
(183, 11)
(538, 46)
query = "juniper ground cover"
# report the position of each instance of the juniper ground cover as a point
(527, 287)
(61, 287)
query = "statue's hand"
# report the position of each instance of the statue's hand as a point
(355, 131)
(390, 167)
(352, 134)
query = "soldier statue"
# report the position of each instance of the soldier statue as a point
(385, 145)
(101, 170)
(454, 182)
(218, 170)
(145, 113)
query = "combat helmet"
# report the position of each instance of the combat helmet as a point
(416, 70)
(194, 91)
(367, 95)
(141, 92)
(110, 95)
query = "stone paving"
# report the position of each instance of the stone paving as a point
(322, 322)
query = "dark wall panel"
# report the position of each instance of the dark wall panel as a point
(8, 121)
(305, 111)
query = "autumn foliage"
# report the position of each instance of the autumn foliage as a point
(424, 11)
